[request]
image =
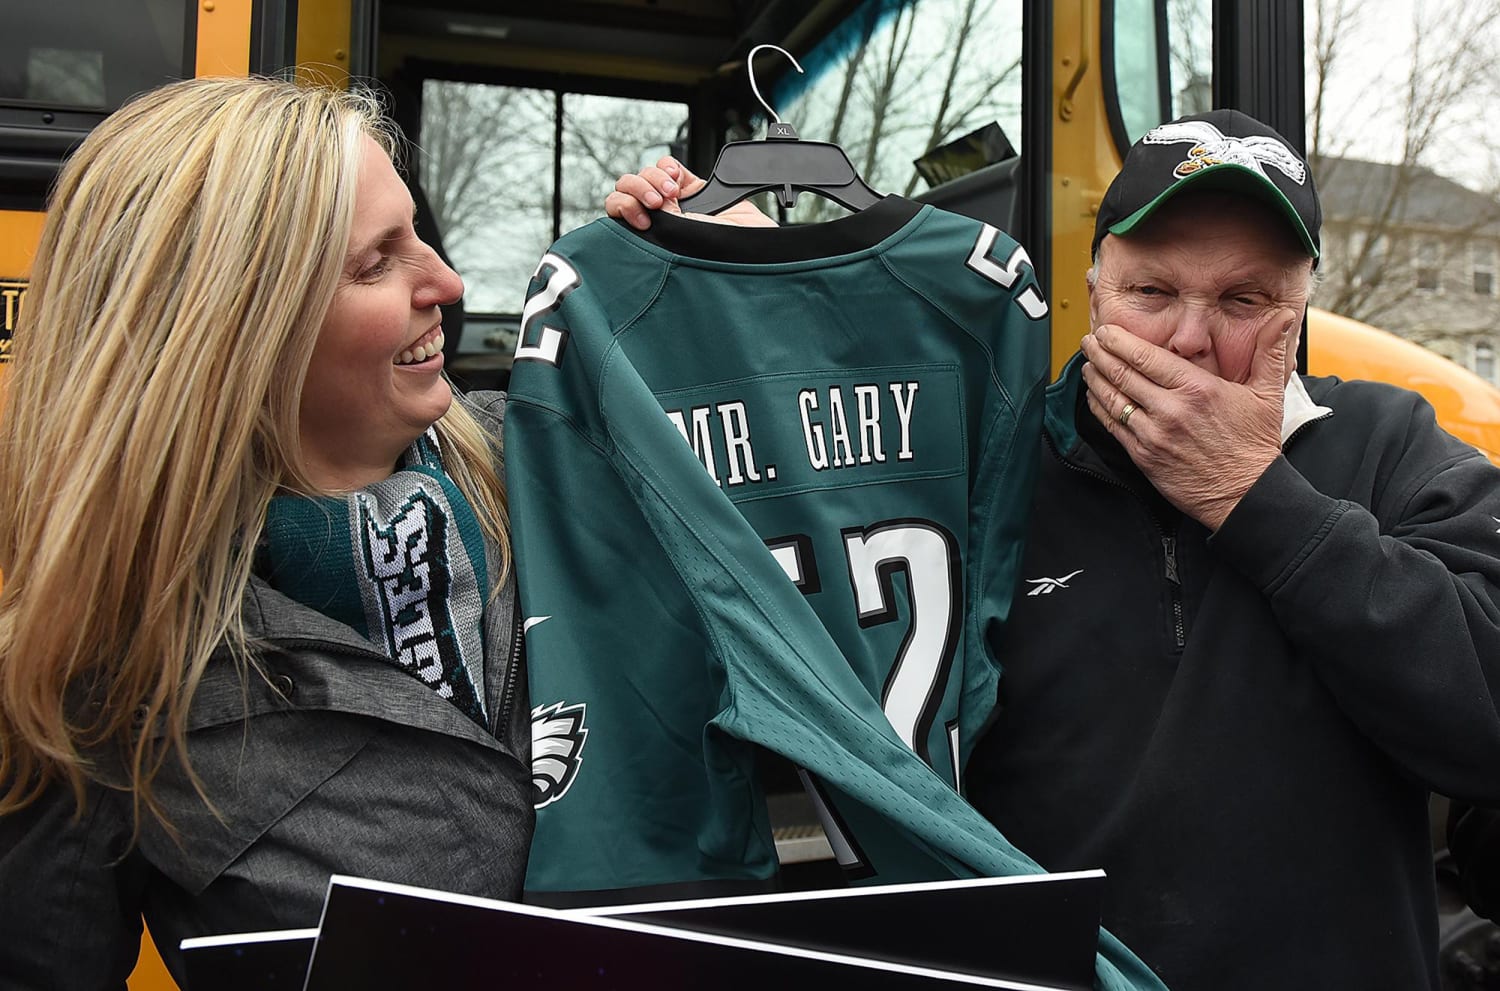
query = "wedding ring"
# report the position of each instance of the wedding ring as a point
(1125, 412)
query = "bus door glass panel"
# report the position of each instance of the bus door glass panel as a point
(91, 54)
(1190, 34)
(488, 160)
(899, 80)
(1161, 57)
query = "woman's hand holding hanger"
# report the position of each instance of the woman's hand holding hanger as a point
(659, 186)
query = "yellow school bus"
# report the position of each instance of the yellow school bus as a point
(1013, 111)
(1070, 85)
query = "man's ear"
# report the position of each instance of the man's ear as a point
(1294, 337)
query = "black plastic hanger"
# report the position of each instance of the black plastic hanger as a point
(782, 163)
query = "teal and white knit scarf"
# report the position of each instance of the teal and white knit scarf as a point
(402, 562)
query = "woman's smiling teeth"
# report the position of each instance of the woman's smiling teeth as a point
(422, 351)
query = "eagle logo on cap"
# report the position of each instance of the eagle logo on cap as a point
(1213, 147)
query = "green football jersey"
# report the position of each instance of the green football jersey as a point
(768, 487)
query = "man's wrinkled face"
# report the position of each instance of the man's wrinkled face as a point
(1200, 277)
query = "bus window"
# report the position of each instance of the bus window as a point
(1190, 29)
(1162, 63)
(94, 55)
(897, 79)
(487, 161)
(604, 137)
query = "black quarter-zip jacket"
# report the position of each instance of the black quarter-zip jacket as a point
(1242, 728)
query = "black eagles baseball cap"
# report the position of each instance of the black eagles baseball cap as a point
(1221, 149)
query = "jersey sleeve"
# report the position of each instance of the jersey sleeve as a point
(622, 680)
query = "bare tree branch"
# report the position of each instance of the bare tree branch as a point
(880, 103)
(1450, 60)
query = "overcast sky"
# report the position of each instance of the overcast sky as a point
(1367, 89)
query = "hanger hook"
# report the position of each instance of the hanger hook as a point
(750, 67)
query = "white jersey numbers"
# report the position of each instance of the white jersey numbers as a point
(539, 342)
(913, 691)
(928, 555)
(1005, 274)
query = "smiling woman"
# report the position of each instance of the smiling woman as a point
(374, 382)
(293, 654)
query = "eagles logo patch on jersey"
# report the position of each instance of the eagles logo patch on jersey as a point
(557, 738)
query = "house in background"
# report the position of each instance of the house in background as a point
(1412, 252)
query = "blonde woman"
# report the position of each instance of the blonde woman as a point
(257, 617)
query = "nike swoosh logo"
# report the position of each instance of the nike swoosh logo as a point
(531, 621)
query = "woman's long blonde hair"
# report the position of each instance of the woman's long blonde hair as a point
(189, 256)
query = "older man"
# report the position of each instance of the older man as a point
(1285, 625)
(1263, 609)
